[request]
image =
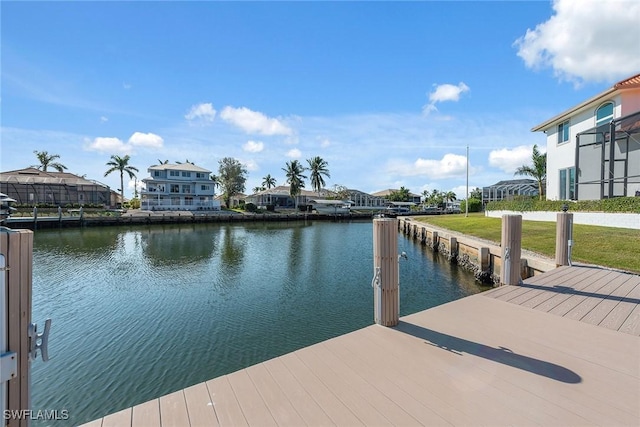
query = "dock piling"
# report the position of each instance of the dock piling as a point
(511, 248)
(386, 272)
(564, 235)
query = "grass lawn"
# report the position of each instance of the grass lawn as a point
(604, 246)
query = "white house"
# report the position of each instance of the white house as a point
(182, 186)
(582, 163)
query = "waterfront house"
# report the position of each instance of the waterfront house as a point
(507, 190)
(279, 197)
(384, 194)
(593, 148)
(182, 186)
(32, 186)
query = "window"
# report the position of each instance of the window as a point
(563, 132)
(186, 189)
(201, 175)
(174, 173)
(604, 114)
(156, 173)
(204, 187)
(186, 174)
(568, 184)
(175, 188)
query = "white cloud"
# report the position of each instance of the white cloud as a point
(251, 165)
(294, 153)
(451, 165)
(202, 113)
(443, 93)
(109, 145)
(104, 119)
(254, 122)
(324, 142)
(149, 140)
(509, 159)
(126, 86)
(585, 41)
(253, 146)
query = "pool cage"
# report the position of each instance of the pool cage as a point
(609, 167)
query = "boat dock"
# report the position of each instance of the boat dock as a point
(563, 348)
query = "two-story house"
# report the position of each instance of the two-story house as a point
(183, 186)
(593, 149)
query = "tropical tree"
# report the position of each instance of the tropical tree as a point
(215, 181)
(258, 189)
(341, 192)
(121, 164)
(318, 168)
(450, 196)
(268, 181)
(401, 195)
(232, 176)
(538, 170)
(47, 160)
(476, 193)
(295, 178)
(160, 162)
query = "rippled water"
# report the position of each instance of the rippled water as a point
(141, 312)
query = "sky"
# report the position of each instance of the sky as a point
(390, 94)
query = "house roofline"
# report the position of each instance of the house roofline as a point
(628, 83)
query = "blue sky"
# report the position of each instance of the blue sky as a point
(388, 93)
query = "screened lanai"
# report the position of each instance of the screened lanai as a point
(607, 169)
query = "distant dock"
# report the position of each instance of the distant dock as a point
(168, 217)
(562, 349)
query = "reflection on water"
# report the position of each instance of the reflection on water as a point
(141, 312)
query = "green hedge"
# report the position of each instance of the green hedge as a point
(617, 204)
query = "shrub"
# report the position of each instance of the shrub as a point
(616, 204)
(475, 205)
(250, 207)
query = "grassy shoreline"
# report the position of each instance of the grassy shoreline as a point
(604, 246)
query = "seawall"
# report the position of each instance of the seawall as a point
(481, 257)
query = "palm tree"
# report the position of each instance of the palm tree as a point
(46, 160)
(258, 189)
(538, 170)
(216, 182)
(121, 164)
(450, 196)
(160, 162)
(268, 181)
(318, 167)
(295, 179)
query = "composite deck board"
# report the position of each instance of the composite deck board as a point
(305, 405)
(562, 292)
(602, 310)
(173, 410)
(228, 411)
(118, 419)
(578, 296)
(277, 402)
(199, 406)
(481, 360)
(147, 414)
(586, 303)
(253, 406)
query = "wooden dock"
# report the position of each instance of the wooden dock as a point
(561, 350)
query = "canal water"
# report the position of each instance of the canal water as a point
(141, 312)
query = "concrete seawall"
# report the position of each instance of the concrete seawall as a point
(481, 257)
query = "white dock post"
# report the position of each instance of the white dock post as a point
(385, 269)
(511, 245)
(564, 236)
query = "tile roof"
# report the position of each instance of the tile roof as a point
(631, 82)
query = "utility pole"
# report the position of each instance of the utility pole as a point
(466, 204)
